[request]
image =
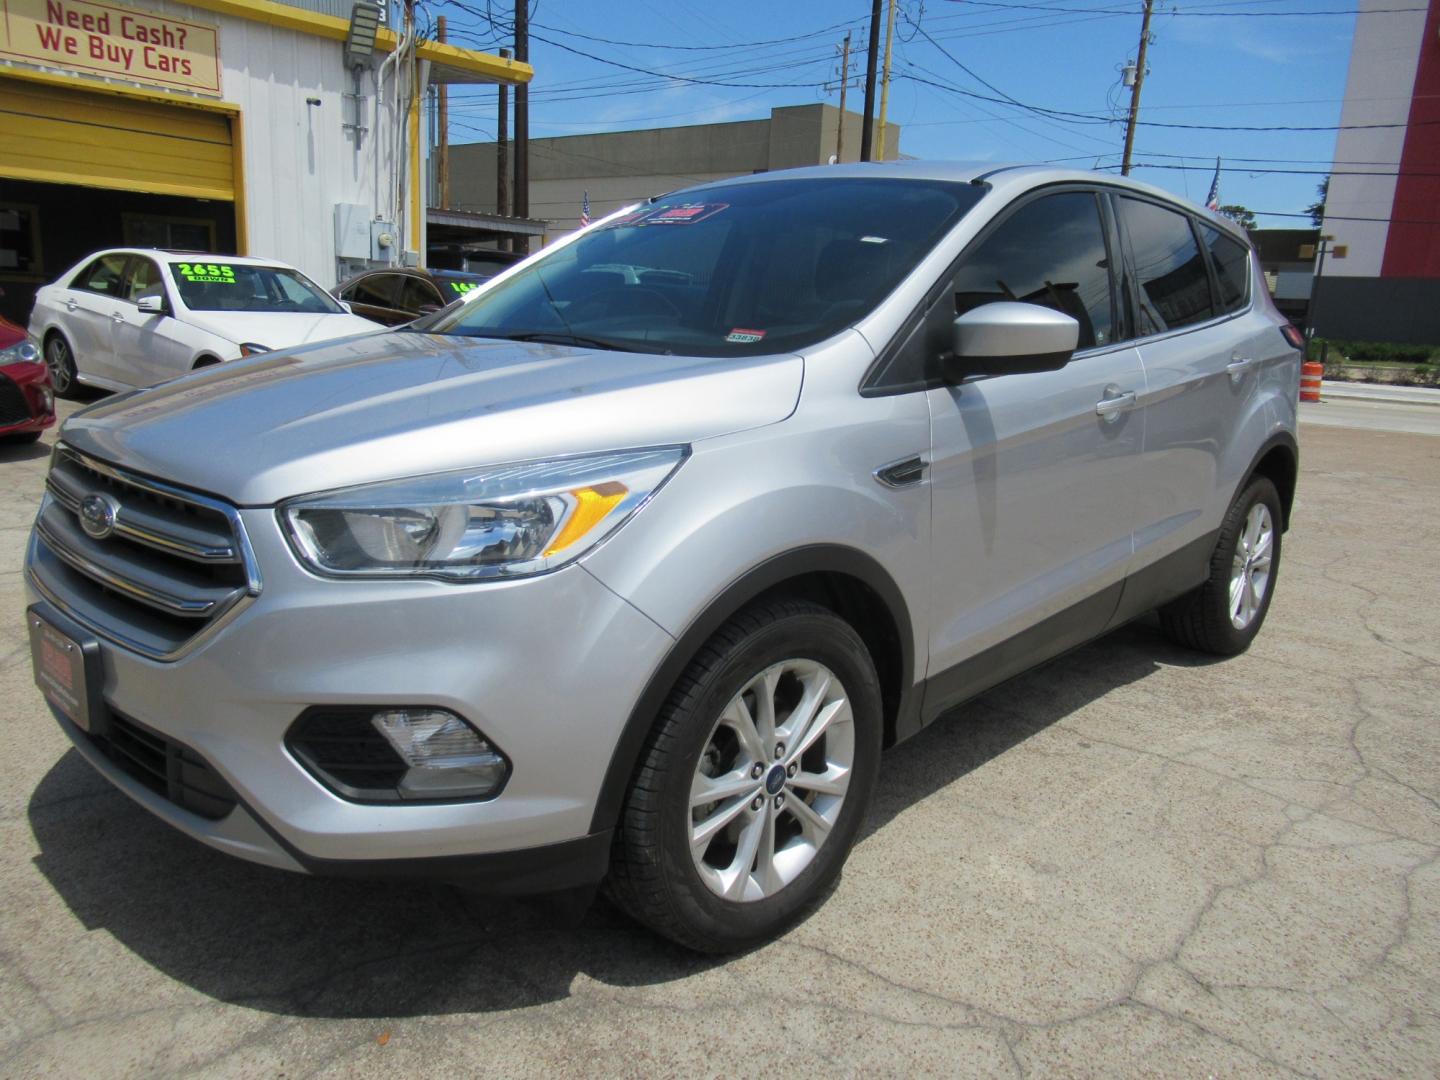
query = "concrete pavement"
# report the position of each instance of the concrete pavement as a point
(1136, 861)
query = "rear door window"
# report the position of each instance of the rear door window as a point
(377, 290)
(1169, 272)
(1231, 260)
(106, 275)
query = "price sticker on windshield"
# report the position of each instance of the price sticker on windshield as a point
(684, 214)
(463, 287)
(206, 273)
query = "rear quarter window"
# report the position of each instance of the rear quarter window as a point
(1232, 268)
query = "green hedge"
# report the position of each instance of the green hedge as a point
(1377, 352)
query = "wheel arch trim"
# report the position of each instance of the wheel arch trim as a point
(1286, 442)
(773, 572)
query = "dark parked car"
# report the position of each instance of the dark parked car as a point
(396, 296)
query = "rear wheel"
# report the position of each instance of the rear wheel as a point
(755, 780)
(60, 359)
(1224, 614)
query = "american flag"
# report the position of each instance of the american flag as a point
(585, 210)
(1213, 202)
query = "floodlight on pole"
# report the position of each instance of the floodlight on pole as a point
(360, 38)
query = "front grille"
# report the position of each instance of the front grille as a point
(172, 563)
(166, 767)
(13, 406)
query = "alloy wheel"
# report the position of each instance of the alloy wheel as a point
(1250, 571)
(771, 780)
(57, 359)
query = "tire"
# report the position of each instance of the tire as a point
(1209, 618)
(60, 359)
(810, 657)
(205, 361)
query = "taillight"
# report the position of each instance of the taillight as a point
(1293, 337)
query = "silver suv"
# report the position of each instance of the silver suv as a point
(628, 566)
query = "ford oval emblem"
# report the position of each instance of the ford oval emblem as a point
(97, 516)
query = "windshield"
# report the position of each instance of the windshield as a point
(724, 271)
(240, 287)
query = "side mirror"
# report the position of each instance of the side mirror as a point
(346, 305)
(1010, 338)
(152, 304)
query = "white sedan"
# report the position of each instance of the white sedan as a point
(131, 317)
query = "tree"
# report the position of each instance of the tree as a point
(1241, 216)
(1316, 210)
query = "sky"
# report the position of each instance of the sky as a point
(967, 78)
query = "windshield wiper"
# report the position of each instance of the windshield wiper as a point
(562, 337)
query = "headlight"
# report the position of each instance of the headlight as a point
(26, 351)
(502, 521)
(249, 348)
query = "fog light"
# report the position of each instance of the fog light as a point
(445, 755)
(47, 400)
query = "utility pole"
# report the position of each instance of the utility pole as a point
(522, 123)
(844, 85)
(1135, 90)
(502, 148)
(444, 109)
(885, 81)
(1321, 250)
(865, 132)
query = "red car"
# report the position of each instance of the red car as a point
(27, 402)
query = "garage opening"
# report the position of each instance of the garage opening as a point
(85, 170)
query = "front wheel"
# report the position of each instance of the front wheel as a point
(1224, 614)
(61, 361)
(755, 780)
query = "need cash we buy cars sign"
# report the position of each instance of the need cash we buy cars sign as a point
(84, 35)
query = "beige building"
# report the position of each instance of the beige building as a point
(619, 167)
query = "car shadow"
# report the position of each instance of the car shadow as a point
(302, 946)
(13, 449)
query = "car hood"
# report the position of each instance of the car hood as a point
(403, 404)
(279, 329)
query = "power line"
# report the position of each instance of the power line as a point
(1094, 119)
(1200, 14)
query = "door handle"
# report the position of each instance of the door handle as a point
(1238, 367)
(117, 317)
(1112, 407)
(71, 305)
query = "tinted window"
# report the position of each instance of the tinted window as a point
(742, 269)
(1050, 252)
(105, 275)
(1232, 267)
(416, 293)
(1169, 270)
(378, 290)
(222, 286)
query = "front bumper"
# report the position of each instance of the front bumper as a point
(26, 401)
(548, 668)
